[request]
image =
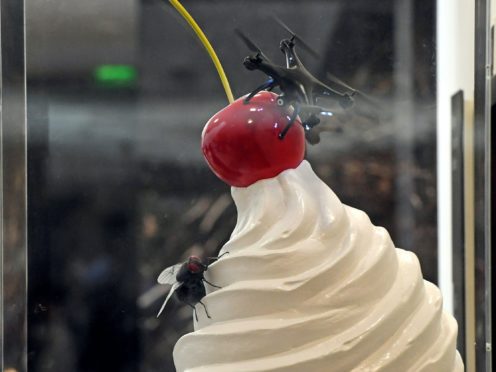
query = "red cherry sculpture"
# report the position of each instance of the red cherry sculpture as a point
(241, 142)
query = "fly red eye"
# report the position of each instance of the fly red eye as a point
(194, 267)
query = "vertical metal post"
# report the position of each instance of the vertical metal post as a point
(1, 203)
(458, 217)
(404, 118)
(482, 167)
(13, 167)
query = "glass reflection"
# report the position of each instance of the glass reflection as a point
(118, 93)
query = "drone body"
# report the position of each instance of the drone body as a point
(298, 86)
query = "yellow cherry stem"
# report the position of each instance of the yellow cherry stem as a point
(210, 50)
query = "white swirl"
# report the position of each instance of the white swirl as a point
(310, 284)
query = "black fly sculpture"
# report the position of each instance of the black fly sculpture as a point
(187, 282)
(298, 86)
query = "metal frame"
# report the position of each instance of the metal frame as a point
(482, 183)
(458, 217)
(13, 192)
(404, 118)
(13, 237)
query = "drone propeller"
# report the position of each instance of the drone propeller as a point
(294, 36)
(250, 44)
(354, 91)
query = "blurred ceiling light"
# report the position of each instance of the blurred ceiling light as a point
(115, 75)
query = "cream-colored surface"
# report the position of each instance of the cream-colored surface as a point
(310, 284)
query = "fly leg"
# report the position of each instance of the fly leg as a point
(269, 84)
(213, 285)
(213, 259)
(206, 312)
(194, 309)
(292, 119)
(222, 255)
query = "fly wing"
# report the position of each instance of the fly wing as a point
(168, 276)
(175, 286)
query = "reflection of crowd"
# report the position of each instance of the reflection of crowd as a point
(83, 303)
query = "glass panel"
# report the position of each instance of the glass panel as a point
(13, 245)
(482, 184)
(119, 189)
(117, 96)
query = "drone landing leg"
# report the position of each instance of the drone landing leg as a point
(311, 122)
(291, 121)
(269, 84)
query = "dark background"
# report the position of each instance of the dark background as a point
(119, 190)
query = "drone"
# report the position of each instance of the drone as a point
(299, 88)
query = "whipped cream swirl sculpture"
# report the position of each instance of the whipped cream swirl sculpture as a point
(309, 284)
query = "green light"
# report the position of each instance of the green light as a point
(115, 75)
